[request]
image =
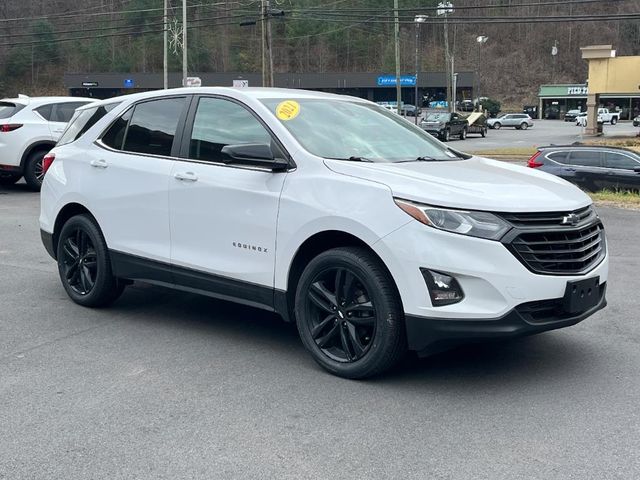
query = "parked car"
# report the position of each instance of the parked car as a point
(410, 110)
(636, 121)
(608, 116)
(29, 128)
(466, 106)
(581, 119)
(571, 115)
(369, 234)
(445, 125)
(521, 121)
(591, 168)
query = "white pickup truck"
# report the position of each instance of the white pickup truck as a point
(607, 116)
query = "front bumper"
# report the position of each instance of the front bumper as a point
(429, 335)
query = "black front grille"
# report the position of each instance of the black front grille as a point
(557, 243)
(560, 251)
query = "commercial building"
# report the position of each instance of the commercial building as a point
(556, 100)
(377, 87)
(610, 76)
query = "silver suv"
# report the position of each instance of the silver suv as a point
(521, 121)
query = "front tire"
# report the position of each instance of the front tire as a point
(463, 134)
(497, 125)
(446, 135)
(33, 171)
(84, 265)
(349, 314)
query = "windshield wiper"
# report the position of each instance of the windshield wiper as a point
(421, 159)
(353, 159)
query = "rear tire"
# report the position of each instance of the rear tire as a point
(614, 120)
(349, 313)
(33, 173)
(84, 265)
(483, 132)
(9, 178)
(524, 126)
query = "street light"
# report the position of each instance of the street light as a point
(481, 39)
(418, 20)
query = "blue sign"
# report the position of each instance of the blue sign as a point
(390, 81)
(129, 83)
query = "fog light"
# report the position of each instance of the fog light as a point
(443, 289)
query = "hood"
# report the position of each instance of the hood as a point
(477, 184)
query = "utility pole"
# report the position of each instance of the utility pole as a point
(184, 43)
(396, 35)
(418, 20)
(554, 54)
(165, 48)
(267, 52)
(481, 40)
(444, 9)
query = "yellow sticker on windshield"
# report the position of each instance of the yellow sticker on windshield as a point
(288, 110)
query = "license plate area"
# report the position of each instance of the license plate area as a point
(581, 295)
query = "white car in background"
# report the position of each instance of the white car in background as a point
(29, 128)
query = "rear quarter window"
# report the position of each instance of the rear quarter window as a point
(9, 109)
(560, 157)
(83, 120)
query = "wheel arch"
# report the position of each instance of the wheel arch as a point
(313, 246)
(43, 145)
(69, 210)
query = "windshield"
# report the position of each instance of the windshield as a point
(345, 129)
(437, 117)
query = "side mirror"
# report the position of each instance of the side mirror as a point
(253, 154)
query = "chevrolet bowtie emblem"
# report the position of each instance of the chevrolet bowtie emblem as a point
(571, 219)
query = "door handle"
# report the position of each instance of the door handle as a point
(99, 163)
(186, 177)
(569, 169)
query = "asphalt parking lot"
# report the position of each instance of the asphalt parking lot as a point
(544, 132)
(170, 385)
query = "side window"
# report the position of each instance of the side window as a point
(45, 112)
(560, 157)
(220, 122)
(584, 158)
(153, 125)
(618, 160)
(114, 137)
(62, 112)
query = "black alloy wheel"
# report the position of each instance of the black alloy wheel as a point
(84, 265)
(344, 316)
(33, 171)
(79, 261)
(349, 313)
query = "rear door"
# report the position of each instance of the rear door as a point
(587, 168)
(127, 182)
(621, 172)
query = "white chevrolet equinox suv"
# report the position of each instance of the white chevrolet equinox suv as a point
(29, 128)
(369, 234)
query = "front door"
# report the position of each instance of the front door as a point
(223, 217)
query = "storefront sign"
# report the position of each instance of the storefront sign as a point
(390, 81)
(583, 90)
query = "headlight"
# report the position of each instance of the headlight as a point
(476, 224)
